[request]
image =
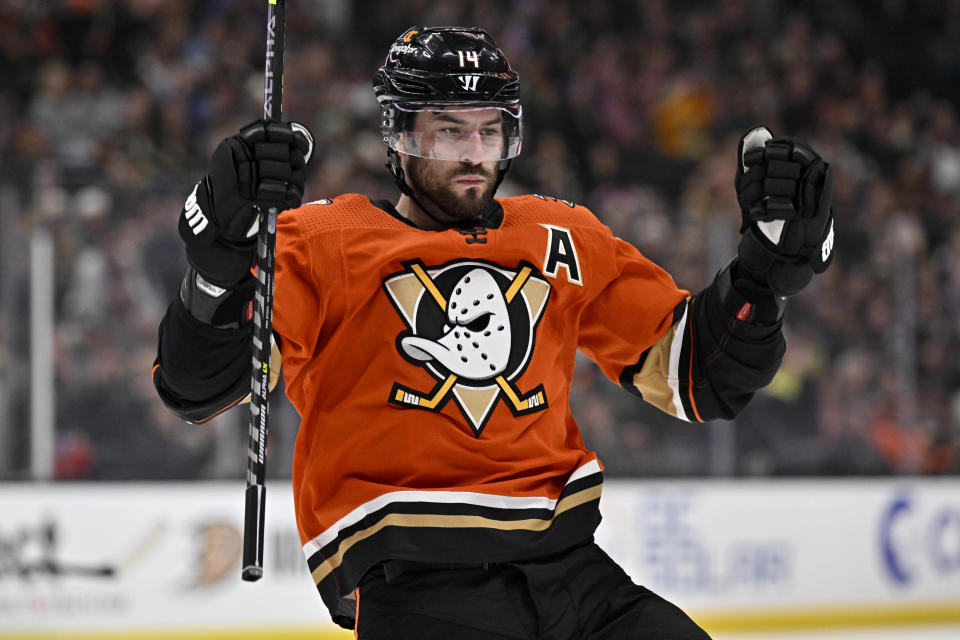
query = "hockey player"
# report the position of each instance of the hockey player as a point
(442, 488)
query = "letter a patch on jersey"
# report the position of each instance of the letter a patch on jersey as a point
(472, 325)
(561, 254)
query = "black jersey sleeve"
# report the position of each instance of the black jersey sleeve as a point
(200, 371)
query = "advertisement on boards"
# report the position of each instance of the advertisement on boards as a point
(807, 546)
(750, 555)
(152, 556)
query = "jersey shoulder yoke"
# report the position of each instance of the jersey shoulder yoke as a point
(537, 209)
(347, 211)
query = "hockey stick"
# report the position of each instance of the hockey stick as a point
(255, 498)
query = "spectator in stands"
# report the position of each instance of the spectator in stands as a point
(110, 97)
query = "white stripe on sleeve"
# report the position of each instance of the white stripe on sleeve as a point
(673, 376)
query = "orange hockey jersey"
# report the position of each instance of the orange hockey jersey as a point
(431, 370)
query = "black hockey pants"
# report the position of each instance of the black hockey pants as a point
(580, 594)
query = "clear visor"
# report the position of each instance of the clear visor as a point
(460, 133)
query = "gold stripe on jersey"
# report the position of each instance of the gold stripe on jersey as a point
(655, 381)
(438, 521)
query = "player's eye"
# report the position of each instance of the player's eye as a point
(480, 323)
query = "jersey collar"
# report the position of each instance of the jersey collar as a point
(492, 216)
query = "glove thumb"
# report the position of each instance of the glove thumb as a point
(301, 129)
(753, 140)
(756, 138)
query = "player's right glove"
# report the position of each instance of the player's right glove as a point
(264, 165)
(784, 189)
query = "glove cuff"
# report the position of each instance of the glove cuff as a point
(765, 266)
(746, 299)
(218, 307)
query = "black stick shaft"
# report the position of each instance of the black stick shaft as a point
(255, 499)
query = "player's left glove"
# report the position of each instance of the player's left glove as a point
(785, 190)
(261, 166)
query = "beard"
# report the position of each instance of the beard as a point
(433, 187)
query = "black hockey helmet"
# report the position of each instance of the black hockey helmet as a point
(449, 69)
(446, 65)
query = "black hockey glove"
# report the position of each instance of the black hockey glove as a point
(218, 307)
(784, 189)
(261, 166)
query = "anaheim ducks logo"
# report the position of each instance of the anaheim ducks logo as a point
(219, 552)
(472, 325)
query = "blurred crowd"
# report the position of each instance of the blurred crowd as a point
(109, 110)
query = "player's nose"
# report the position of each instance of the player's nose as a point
(471, 148)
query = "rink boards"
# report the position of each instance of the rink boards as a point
(163, 560)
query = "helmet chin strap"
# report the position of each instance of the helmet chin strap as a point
(396, 172)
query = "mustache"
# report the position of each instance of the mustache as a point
(478, 171)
